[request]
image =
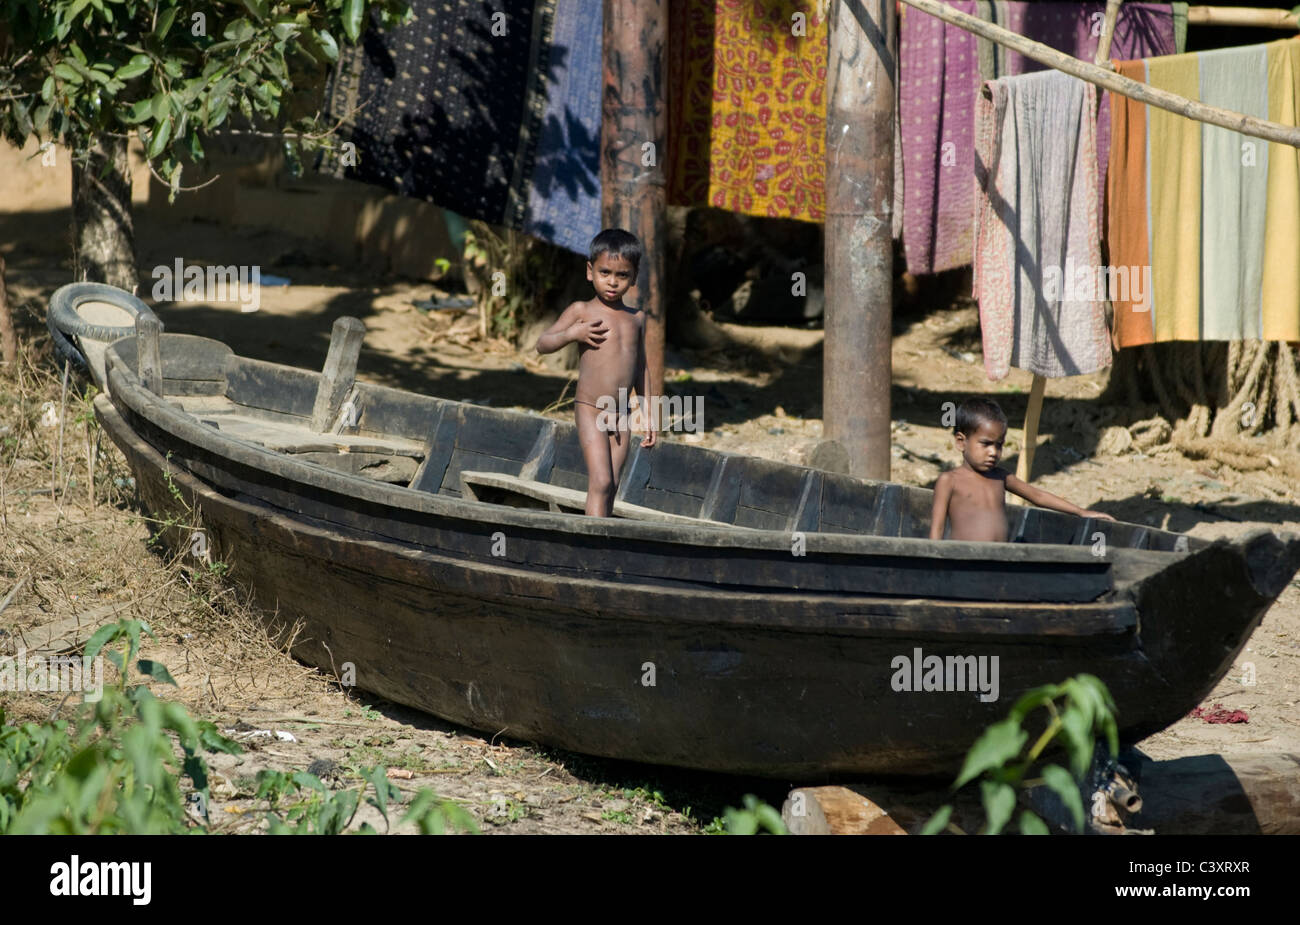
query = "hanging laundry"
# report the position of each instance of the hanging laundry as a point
(564, 195)
(1210, 215)
(747, 107)
(941, 68)
(492, 112)
(1037, 250)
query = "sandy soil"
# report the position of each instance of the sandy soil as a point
(763, 397)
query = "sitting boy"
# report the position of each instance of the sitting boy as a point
(611, 349)
(973, 496)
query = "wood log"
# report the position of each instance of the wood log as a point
(1108, 80)
(339, 373)
(148, 357)
(1220, 795)
(835, 811)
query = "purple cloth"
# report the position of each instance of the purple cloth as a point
(938, 82)
(939, 76)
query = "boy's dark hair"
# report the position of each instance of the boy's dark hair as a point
(976, 411)
(617, 243)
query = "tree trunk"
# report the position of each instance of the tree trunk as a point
(103, 231)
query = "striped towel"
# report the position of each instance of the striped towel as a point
(1211, 216)
(1037, 226)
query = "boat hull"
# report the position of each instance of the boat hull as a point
(786, 685)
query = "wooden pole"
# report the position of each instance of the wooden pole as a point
(8, 337)
(633, 133)
(859, 256)
(1025, 466)
(1233, 16)
(1093, 74)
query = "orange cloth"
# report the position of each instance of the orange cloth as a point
(1126, 191)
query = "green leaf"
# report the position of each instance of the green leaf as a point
(257, 7)
(165, 22)
(997, 745)
(162, 133)
(1031, 699)
(308, 781)
(134, 68)
(1078, 739)
(352, 13)
(999, 801)
(100, 638)
(328, 47)
(139, 111)
(156, 670)
(938, 822)
(1062, 784)
(241, 30)
(47, 89)
(284, 30)
(1030, 824)
(65, 72)
(158, 106)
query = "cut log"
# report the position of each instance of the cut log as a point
(835, 811)
(1220, 795)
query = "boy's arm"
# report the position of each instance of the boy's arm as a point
(1048, 500)
(569, 327)
(650, 407)
(939, 512)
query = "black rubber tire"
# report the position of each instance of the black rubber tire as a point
(62, 313)
(64, 349)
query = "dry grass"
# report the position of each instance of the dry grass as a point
(80, 554)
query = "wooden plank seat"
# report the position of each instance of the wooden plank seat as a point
(493, 486)
(290, 439)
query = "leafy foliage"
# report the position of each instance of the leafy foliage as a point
(116, 768)
(757, 818)
(166, 71)
(1079, 710)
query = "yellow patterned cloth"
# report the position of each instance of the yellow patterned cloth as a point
(747, 107)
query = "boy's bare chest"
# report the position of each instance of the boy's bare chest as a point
(977, 490)
(623, 332)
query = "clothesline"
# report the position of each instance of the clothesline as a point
(1109, 80)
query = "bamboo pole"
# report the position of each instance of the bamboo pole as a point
(1025, 465)
(859, 250)
(1108, 80)
(1243, 16)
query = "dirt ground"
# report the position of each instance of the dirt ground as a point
(762, 397)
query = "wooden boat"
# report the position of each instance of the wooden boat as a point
(738, 615)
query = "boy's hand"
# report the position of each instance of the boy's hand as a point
(1099, 515)
(591, 333)
(648, 436)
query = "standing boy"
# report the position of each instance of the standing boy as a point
(973, 496)
(611, 357)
